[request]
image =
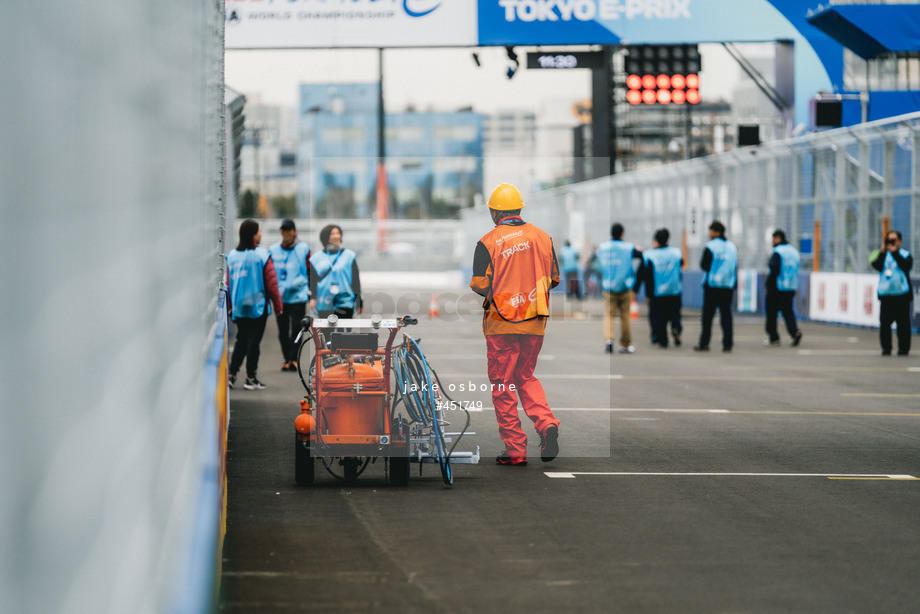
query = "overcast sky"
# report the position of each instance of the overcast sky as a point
(441, 79)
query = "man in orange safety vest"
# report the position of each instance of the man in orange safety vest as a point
(514, 267)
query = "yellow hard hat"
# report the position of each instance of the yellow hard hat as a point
(505, 198)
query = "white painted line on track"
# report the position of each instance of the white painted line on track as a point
(835, 368)
(601, 376)
(643, 409)
(481, 356)
(894, 395)
(747, 412)
(914, 369)
(580, 376)
(573, 474)
(731, 378)
(837, 352)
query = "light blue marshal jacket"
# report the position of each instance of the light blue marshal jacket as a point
(291, 268)
(247, 285)
(333, 280)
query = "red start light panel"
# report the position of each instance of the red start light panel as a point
(663, 89)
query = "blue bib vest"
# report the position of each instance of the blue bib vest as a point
(722, 272)
(291, 268)
(665, 263)
(247, 286)
(333, 274)
(893, 281)
(788, 278)
(617, 271)
(569, 259)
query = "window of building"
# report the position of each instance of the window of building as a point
(338, 134)
(396, 165)
(891, 72)
(405, 133)
(455, 133)
(454, 165)
(343, 166)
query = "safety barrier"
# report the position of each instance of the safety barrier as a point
(111, 166)
(836, 298)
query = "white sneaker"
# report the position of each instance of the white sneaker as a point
(627, 350)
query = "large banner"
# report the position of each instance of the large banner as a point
(302, 24)
(268, 24)
(567, 22)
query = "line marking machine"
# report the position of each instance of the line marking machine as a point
(364, 402)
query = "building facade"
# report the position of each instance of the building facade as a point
(433, 161)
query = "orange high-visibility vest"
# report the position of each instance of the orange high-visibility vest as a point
(522, 270)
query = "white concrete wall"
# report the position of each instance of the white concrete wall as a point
(111, 177)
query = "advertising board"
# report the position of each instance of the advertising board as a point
(304, 24)
(565, 22)
(847, 298)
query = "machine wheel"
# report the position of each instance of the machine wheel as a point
(304, 469)
(350, 466)
(399, 470)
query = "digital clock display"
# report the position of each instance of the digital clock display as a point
(565, 60)
(558, 61)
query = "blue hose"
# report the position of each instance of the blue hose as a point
(413, 377)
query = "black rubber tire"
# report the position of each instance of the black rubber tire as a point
(304, 463)
(399, 470)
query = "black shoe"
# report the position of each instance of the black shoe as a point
(253, 384)
(700, 348)
(676, 337)
(231, 379)
(886, 352)
(726, 350)
(609, 347)
(797, 338)
(506, 459)
(900, 353)
(549, 444)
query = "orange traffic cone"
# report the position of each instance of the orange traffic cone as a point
(634, 309)
(433, 307)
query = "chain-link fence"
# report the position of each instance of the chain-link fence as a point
(830, 191)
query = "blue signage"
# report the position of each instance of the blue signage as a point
(572, 22)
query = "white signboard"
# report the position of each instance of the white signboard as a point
(747, 291)
(289, 24)
(848, 298)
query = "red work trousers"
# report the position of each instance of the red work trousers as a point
(512, 359)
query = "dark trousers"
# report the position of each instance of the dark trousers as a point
(289, 328)
(573, 288)
(663, 310)
(721, 299)
(249, 333)
(895, 309)
(780, 301)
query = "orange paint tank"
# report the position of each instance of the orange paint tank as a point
(352, 400)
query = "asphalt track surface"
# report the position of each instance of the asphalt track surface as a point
(765, 480)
